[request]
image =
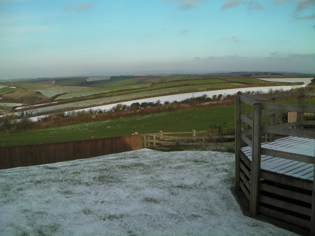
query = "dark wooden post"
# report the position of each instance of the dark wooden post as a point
(300, 115)
(237, 141)
(313, 205)
(255, 165)
(272, 122)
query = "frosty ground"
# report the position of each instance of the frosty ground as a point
(142, 192)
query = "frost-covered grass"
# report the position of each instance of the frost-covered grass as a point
(141, 192)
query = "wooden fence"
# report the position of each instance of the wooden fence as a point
(166, 140)
(16, 156)
(280, 195)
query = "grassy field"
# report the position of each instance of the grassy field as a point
(183, 120)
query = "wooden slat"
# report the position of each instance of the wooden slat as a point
(247, 120)
(285, 205)
(308, 122)
(288, 132)
(313, 204)
(288, 107)
(287, 180)
(246, 140)
(245, 170)
(256, 159)
(245, 181)
(245, 191)
(269, 113)
(287, 125)
(286, 193)
(247, 100)
(278, 95)
(287, 155)
(285, 217)
(245, 160)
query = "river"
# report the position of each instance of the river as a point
(180, 97)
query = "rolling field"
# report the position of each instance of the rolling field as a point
(182, 120)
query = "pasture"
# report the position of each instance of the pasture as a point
(175, 121)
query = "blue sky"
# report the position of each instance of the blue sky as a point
(41, 38)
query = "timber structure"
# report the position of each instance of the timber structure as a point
(274, 162)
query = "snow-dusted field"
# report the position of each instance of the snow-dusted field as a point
(141, 192)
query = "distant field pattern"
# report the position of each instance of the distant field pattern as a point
(52, 91)
(96, 90)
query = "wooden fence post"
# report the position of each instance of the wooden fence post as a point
(313, 205)
(237, 141)
(145, 140)
(255, 165)
(161, 133)
(300, 115)
(154, 140)
(272, 122)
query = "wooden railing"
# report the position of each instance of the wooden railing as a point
(250, 112)
(166, 140)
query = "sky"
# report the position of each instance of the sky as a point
(71, 38)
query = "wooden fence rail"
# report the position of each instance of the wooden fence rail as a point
(16, 156)
(163, 141)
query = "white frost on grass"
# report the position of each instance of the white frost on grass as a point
(141, 192)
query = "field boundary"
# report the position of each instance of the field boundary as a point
(29, 155)
(166, 140)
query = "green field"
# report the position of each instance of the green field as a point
(176, 121)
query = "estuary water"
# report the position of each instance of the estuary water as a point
(180, 97)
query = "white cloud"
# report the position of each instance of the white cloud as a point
(305, 17)
(290, 55)
(230, 4)
(303, 4)
(254, 5)
(186, 4)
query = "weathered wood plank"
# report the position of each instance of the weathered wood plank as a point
(245, 170)
(246, 140)
(288, 107)
(288, 132)
(248, 100)
(237, 141)
(287, 155)
(313, 204)
(256, 159)
(287, 180)
(285, 217)
(247, 120)
(278, 95)
(285, 205)
(245, 191)
(245, 182)
(286, 193)
(245, 160)
(272, 121)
